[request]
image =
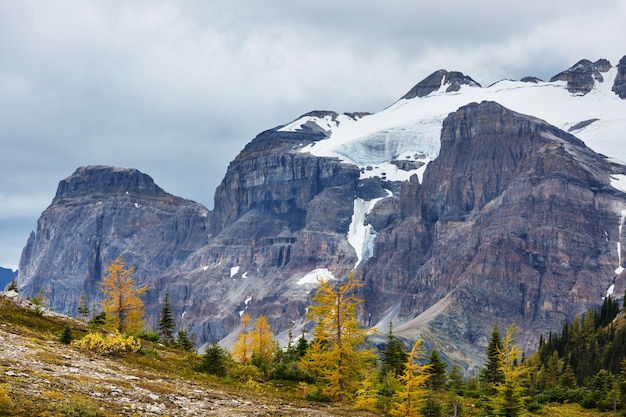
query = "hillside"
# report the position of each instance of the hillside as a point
(41, 376)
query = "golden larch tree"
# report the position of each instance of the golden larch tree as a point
(262, 343)
(241, 351)
(343, 359)
(122, 304)
(412, 397)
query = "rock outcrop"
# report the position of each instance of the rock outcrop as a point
(98, 214)
(438, 79)
(583, 75)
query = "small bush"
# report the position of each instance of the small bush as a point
(148, 336)
(110, 345)
(80, 407)
(245, 372)
(66, 335)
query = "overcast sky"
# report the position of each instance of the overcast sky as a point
(177, 88)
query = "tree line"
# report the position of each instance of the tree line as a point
(584, 363)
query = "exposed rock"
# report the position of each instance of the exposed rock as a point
(531, 79)
(98, 214)
(583, 75)
(454, 80)
(508, 227)
(619, 86)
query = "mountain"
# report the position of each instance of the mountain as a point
(6, 276)
(458, 207)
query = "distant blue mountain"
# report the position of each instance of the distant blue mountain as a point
(6, 276)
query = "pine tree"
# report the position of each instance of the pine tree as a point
(66, 335)
(215, 360)
(13, 286)
(166, 322)
(122, 303)
(183, 341)
(83, 310)
(492, 373)
(455, 379)
(507, 398)
(394, 356)
(437, 371)
(343, 360)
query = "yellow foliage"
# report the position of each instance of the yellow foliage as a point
(110, 345)
(241, 350)
(262, 341)
(340, 359)
(122, 303)
(412, 397)
(5, 401)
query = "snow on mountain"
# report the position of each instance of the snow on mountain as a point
(409, 130)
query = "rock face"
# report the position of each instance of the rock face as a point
(508, 227)
(512, 221)
(98, 214)
(619, 86)
(454, 80)
(582, 76)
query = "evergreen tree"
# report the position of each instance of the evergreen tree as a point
(492, 373)
(432, 408)
(66, 335)
(455, 379)
(83, 310)
(437, 370)
(302, 345)
(394, 356)
(13, 286)
(215, 360)
(506, 397)
(122, 303)
(184, 342)
(166, 322)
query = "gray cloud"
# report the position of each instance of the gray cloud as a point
(176, 89)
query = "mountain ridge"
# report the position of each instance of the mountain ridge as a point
(331, 192)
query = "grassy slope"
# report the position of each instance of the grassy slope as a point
(40, 376)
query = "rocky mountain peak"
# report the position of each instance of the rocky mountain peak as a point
(435, 81)
(582, 76)
(99, 179)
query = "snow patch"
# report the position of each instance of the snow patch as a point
(234, 270)
(362, 236)
(204, 268)
(609, 291)
(618, 182)
(315, 276)
(245, 275)
(137, 205)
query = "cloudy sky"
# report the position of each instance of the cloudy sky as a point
(177, 88)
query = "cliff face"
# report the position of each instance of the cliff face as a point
(98, 214)
(515, 222)
(512, 221)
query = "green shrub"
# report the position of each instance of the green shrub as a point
(66, 335)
